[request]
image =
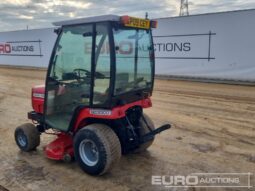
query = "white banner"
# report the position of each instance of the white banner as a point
(210, 46)
(27, 47)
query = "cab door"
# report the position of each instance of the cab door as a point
(68, 83)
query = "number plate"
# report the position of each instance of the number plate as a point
(138, 23)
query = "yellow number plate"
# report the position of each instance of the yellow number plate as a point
(138, 23)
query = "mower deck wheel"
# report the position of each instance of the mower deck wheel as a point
(27, 137)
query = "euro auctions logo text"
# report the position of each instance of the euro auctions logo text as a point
(6, 48)
(225, 180)
(172, 181)
(21, 48)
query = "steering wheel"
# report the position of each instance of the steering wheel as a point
(82, 75)
(85, 74)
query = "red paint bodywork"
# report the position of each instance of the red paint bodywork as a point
(116, 112)
(38, 102)
(63, 144)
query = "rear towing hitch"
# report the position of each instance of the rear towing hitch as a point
(147, 137)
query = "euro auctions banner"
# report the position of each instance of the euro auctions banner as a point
(27, 47)
(210, 46)
(219, 46)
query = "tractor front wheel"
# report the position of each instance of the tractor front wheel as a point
(27, 137)
(96, 148)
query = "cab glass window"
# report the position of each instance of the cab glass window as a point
(133, 59)
(102, 65)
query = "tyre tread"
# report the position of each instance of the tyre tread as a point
(110, 141)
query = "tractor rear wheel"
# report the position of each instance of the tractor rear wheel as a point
(96, 148)
(27, 137)
(144, 130)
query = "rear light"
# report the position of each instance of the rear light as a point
(154, 24)
(124, 19)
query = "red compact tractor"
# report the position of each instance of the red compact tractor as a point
(99, 80)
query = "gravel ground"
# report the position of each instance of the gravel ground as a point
(213, 132)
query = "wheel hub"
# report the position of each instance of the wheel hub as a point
(22, 139)
(89, 152)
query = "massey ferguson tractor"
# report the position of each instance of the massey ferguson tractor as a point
(99, 80)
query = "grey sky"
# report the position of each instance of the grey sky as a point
(17, 14)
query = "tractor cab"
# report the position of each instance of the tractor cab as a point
(101, 63)
(99, 80)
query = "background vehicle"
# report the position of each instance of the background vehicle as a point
(99, 80)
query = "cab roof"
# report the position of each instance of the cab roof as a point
(88, 20)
